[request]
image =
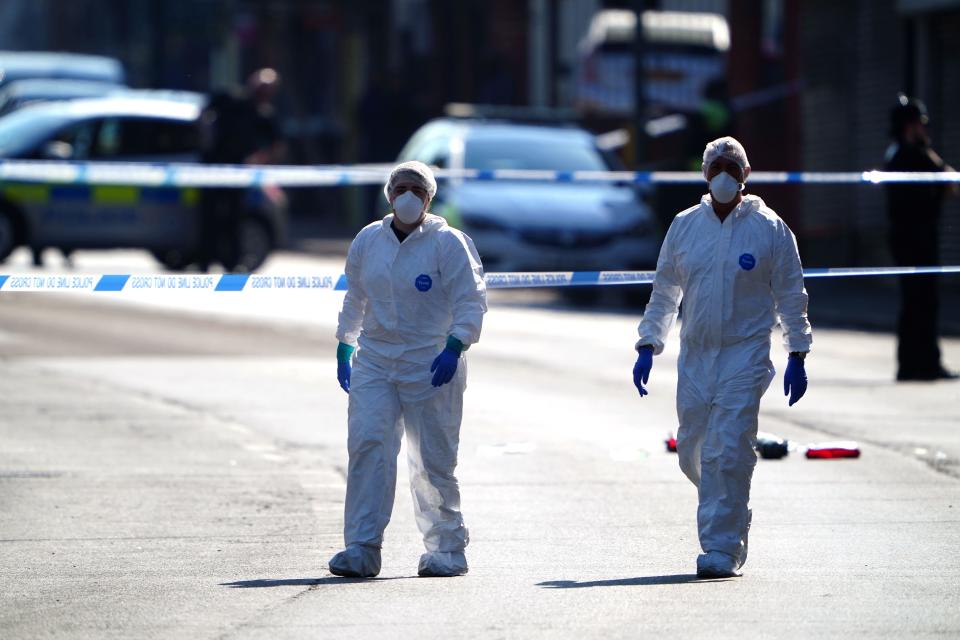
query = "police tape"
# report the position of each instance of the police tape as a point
(231, 282)
(245, 176)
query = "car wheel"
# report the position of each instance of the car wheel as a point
(8, 235)
(581, 296)
(173, 259)
(254, 242)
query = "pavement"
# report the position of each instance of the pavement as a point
(174, 467)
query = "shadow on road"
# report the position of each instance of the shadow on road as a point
(302, 582)
(624, 582)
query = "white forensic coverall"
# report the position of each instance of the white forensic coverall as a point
(403, 300)
(738, 279)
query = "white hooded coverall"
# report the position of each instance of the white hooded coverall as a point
(737, 280)
(403, 301)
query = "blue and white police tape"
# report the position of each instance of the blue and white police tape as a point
(338, 282)
(243, 176)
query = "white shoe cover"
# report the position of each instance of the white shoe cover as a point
(716, 565)
(356, 561)
(442, 564)
(746, 540)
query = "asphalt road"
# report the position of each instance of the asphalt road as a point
(174, 467)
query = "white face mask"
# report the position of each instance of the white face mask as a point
(408, 207)
(723, 187)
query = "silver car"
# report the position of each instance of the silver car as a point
(521, 225)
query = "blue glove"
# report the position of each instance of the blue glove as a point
(794, 379)
(344, 353)
(641, 370)
(343, 375)
(445, 364)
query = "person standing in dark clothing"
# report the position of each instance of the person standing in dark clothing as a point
(237, 128)
(914, 211)
(240, 127)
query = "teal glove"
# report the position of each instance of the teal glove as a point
(344, 353)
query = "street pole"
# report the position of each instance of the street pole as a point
(539, 71)
(639, 87)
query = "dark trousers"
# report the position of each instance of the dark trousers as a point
(918, 352)
(219, 211)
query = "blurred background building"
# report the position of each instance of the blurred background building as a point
(805, 85)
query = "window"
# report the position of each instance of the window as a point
(430, 150)
(557, 154)
(72, 142)
(131, 138)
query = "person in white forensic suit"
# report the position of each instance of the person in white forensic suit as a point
(736, 267)
(415, 302)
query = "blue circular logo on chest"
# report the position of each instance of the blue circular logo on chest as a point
(747, 262)
(423, 282)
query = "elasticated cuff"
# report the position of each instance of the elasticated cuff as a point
(344, 352)
(454, 344)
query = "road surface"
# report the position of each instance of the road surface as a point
(174, 467)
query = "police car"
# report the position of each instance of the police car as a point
(163, 220)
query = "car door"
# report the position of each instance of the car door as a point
(63, 214)
(141, 216)
(433, 151)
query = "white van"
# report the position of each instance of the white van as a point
(685, 52)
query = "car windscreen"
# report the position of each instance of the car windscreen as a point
(552, 154)
(22, 131)
(661, 49)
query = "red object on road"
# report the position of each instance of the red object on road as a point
(833, 450)
(671, 443)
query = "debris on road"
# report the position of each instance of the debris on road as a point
(833, 450)
(771, 447)
(671, 442)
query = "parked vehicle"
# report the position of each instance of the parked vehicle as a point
(20, 93)
(684, 53)
(163, 220)
(520, 225)
(20, 65)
